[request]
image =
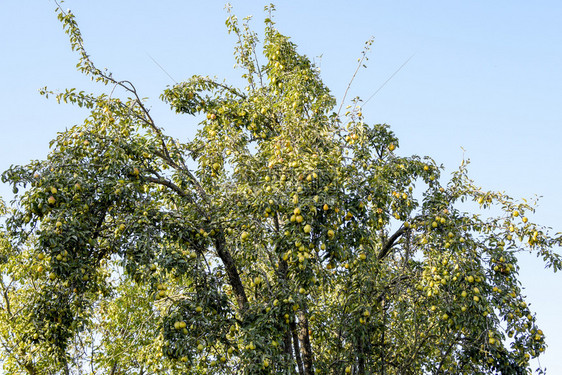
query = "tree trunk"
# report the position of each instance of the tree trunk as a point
(231, 271)
(361, 358)
(296, 348)
(304, 338)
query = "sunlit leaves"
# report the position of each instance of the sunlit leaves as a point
(283, 238)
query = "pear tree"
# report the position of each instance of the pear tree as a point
(289, 236)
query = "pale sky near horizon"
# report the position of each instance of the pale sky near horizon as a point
(484, 83)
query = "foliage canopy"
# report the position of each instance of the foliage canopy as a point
(284, 238)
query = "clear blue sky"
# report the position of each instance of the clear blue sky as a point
(486, 77)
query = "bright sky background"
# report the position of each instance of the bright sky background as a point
(486, 77)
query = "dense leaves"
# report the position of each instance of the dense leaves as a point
(284, 238)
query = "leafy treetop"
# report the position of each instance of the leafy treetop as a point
(284, 238)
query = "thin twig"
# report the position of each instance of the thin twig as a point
(359, 65)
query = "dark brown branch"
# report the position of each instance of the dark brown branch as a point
(282, 272)
(114, 368)
(392, 282)
(231, 271)
(220, 245)
(418, 348)
(101, 219)
(27, 365)
(6, 298)
(287, 345)
(98, 228)
(169, 184)
(220, 241)
(167, 160)
(183, 168)
(31, 370)
(383, 359)
(296, 348)
(390, 242)
(444, 356)
(164, 182)
(361, 357)
(304, 338)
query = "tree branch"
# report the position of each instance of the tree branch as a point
(390, 242)
(359, 65)
(304, 338)
(296, 348)
(232, 271)
(168, 184)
